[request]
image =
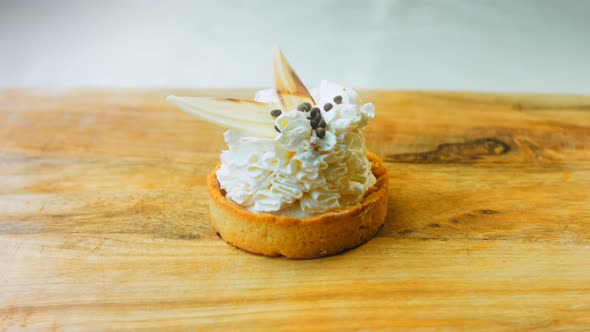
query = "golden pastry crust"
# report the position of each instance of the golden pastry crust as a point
(322, 235)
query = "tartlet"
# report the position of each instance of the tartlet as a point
(326, 234)
(297, 180)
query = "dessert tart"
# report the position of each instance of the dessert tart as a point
(296, 180)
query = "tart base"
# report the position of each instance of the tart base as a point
(322, 235)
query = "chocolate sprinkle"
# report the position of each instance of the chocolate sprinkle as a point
(320, 132)
(277, 129)
(315, 111)
(322, 124)
(313, 124)
(328, 107)
(338, 99)
(305, 107)
(318, 116)
(275, 113)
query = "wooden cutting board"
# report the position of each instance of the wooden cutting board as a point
(104, 223)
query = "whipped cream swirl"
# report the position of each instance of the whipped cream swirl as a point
(296, 173)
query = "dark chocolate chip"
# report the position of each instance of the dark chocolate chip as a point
(322, 124)
(313, 124)
(338, 99)
(320, 132)
(328, 107)
(275, 113)
(305, 107)
(315, 111)
(277, 129)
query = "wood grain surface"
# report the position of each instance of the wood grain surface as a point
(104, 223)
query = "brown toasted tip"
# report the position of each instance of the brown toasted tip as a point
(275, 113)
(320, 132)
(328, 107)
(338, 99)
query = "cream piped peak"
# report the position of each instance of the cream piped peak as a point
(292, 151)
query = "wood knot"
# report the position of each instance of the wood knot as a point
(469, 151)
(484, 211)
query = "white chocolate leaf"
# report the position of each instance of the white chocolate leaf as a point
(246, 116)
(290, 89)
(267, 96)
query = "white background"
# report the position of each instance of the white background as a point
(515, 46)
